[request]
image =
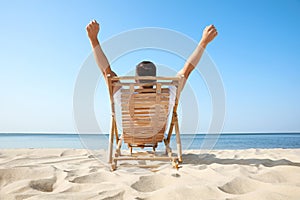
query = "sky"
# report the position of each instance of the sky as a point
(44, 45)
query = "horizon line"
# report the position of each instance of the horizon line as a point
(73, 133)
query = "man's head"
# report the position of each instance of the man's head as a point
(145, 68)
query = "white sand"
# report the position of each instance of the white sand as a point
(263, 174)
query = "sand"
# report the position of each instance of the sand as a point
(263, 174)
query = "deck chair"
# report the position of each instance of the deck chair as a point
(146, 111)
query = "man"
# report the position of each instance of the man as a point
(147, 68)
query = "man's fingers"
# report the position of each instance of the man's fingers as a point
(209, 28)
(94, 22)
(93, 25)
(212, 30)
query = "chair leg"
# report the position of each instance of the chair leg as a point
(154, 148)
(111, 141)
(114, 165)
(118, 150)
(175, 164)
(178, 140)
(110, 150)
(168, 150)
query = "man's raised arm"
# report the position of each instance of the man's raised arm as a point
(92, 30)
(209, 33)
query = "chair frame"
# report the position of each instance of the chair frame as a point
(115, 81)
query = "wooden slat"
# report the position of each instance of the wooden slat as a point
(143, 128)
(142, 100)
(135, 116)
(145, 137)
(163, 99)
(144, 109)
(133, 140)
(137, 110)
(143, 118)
(141, 84)
(145, 104)
(145, 134)
(149, 105)
(161, 115)
(139, 140)
(144, 91)
(145, 78)
(143, 95)
(141, 121)
(145, 158)
(144, 113)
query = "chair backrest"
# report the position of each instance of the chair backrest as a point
(145, 106)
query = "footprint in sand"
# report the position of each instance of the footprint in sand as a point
(270, 177)
(11, 175)
(43, 185)
(240, 186)
(112, 194)
(151, 183)
(94, 178)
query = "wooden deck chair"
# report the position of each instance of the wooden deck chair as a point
(145, 108)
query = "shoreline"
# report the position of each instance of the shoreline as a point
(189, 141)
(223, 133)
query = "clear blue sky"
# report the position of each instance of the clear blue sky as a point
(44, 43)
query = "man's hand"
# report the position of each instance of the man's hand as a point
(92, 30)
(209, 33)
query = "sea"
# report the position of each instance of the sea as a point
(189, 141)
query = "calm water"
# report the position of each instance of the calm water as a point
(224, 141)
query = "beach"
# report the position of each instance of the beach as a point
(217, 174)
